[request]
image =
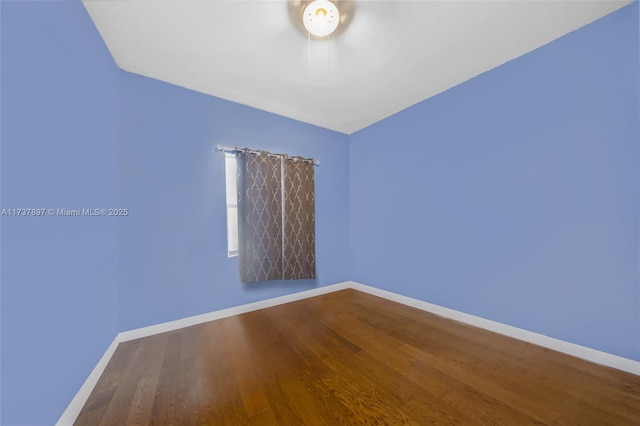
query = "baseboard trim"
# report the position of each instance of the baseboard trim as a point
(592, 355)
(71, 413)
(588, 354)
(236, 310)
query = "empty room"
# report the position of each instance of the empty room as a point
(319, 212)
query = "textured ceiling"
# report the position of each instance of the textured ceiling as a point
(392, 55)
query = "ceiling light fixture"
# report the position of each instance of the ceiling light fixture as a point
(321, 18)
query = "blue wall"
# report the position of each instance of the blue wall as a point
(514, 196)
(59, 150)
(172, 248)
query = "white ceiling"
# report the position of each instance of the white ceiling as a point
(392, 55)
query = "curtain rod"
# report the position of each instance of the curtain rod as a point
(234, 149)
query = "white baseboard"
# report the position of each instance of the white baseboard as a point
(578, 351)
(236, 310)
(71, 413)
(592, 355)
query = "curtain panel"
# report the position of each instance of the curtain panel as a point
(276, 217)
(300, 219)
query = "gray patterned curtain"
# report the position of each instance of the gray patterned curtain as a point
(276, 217)
(300, 220)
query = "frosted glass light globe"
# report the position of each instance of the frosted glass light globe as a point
(321, 18)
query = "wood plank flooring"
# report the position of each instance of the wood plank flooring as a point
(349, 358)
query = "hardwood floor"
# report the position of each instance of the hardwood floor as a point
(352, 358)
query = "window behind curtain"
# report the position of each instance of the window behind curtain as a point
(232, 204)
